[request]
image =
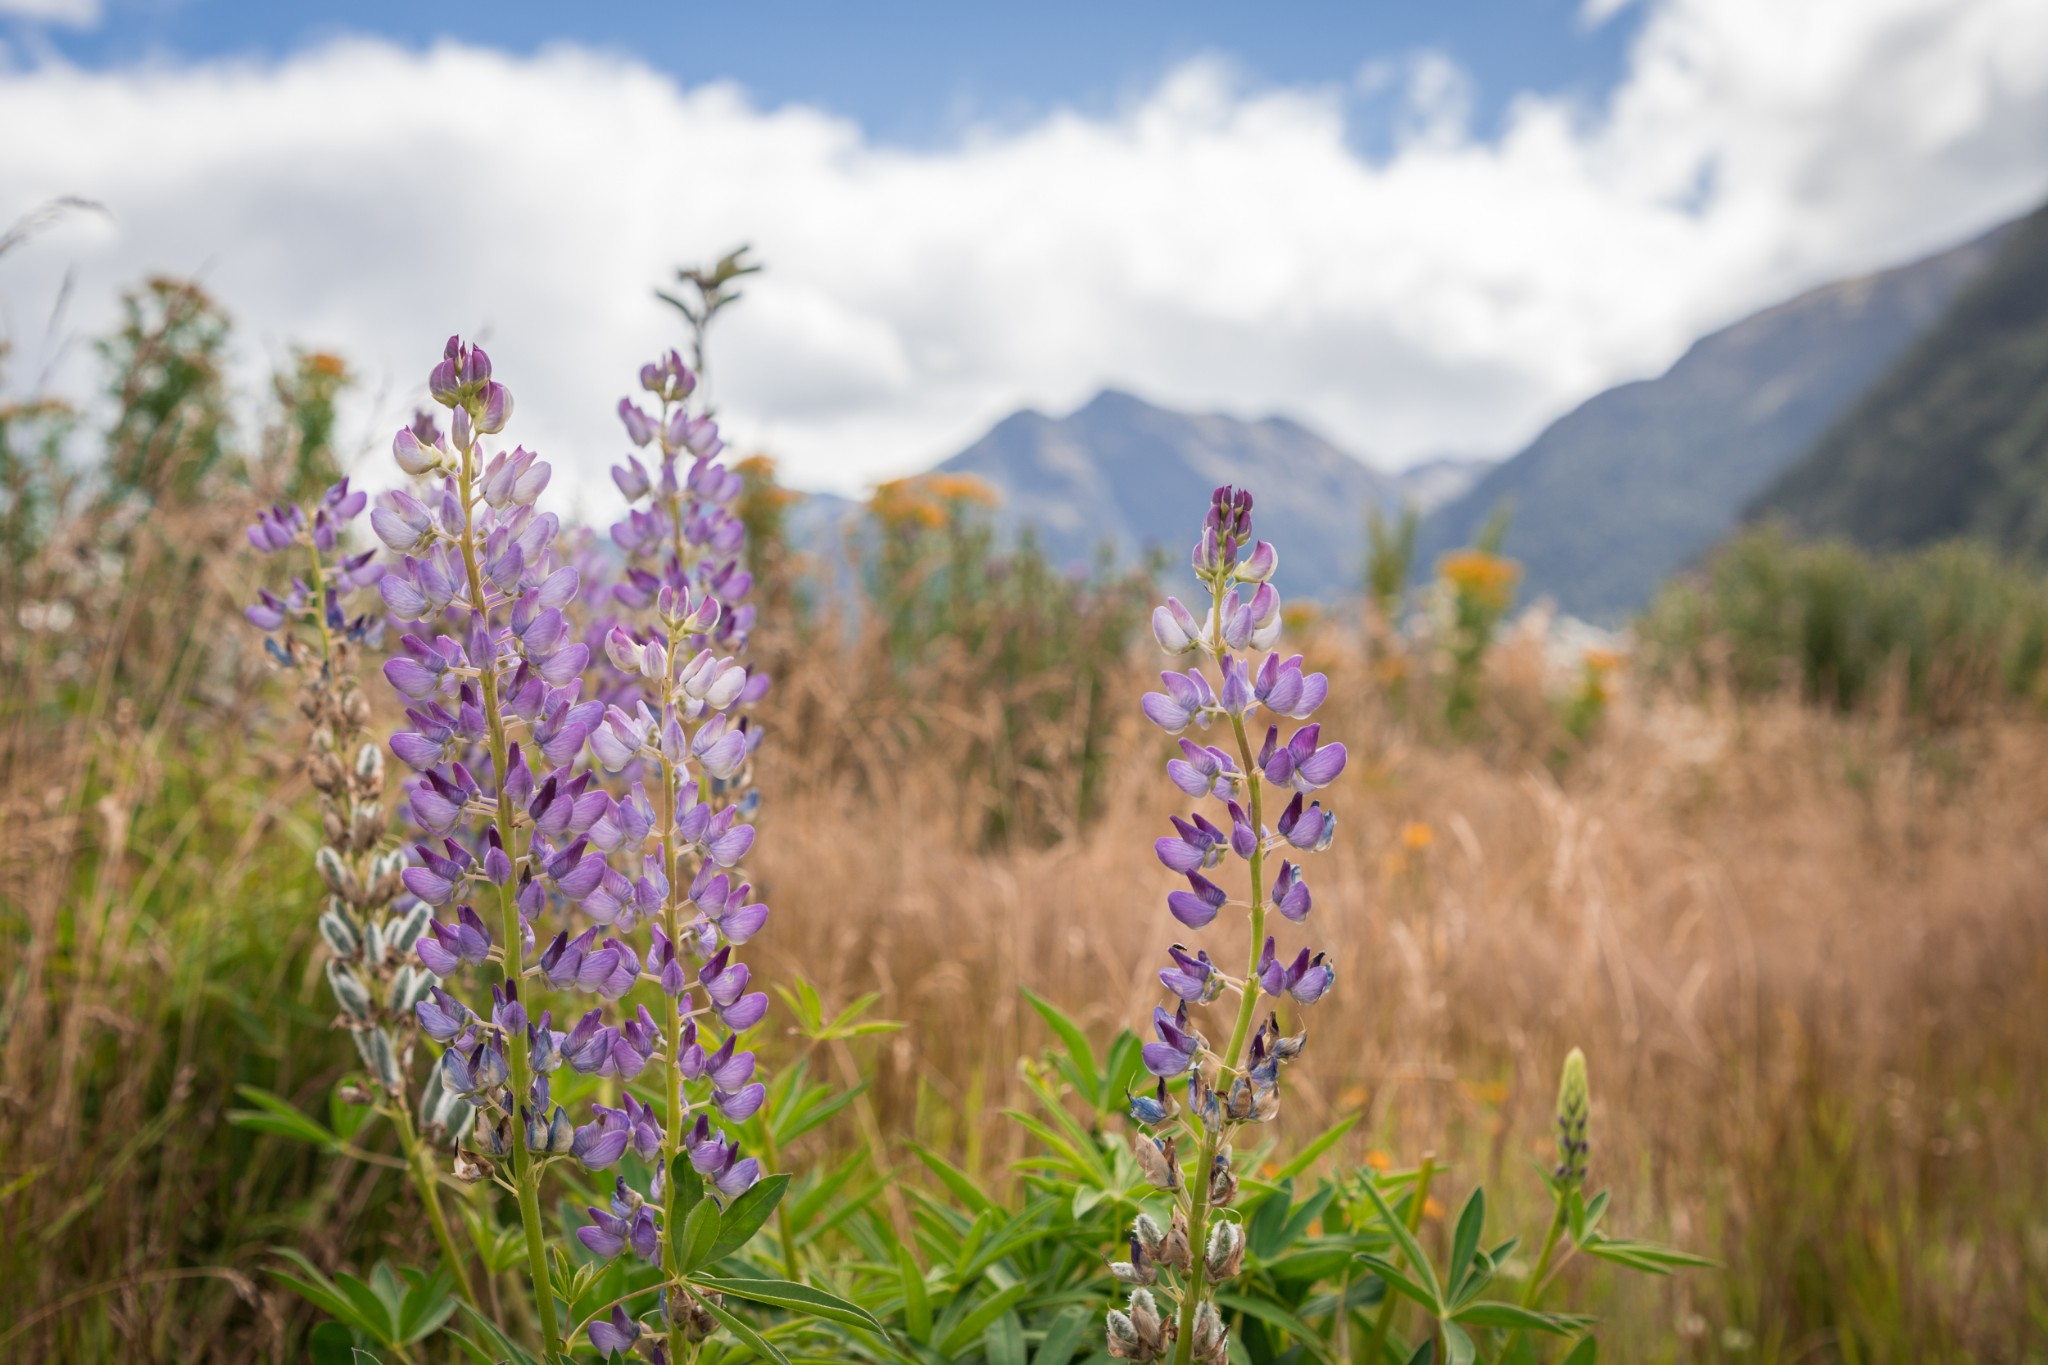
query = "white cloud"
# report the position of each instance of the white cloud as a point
(76, 13)
(1210, 245)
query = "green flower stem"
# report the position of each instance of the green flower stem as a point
(1542, 1272)
(420, 1161)
(672, 1134)
(526, 1177)
(1389, 1301)
(1248, 1006)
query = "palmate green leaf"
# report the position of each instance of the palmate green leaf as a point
(743, 1218)
(954, 1179)
(797, 1298)
(316, 1288)
(700, 1230)
(917, 1302)
(427, 1304)
(330, 1343)
(1517, 1318)
(1648, 1257)
(1273, 1315)
(1002, 1341)
(1417, 1260)
(1465, 1242)
(744, 1330)
(971, 1326)
(1087, 1075)
(276, 1114)
(1398, 1281)
(1064, 1337)
(1323, 1142)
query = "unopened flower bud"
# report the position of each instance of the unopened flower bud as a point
(338, 930)
(1574, 1108)
(349, 991)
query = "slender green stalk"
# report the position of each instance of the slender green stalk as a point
(1247, 1008)
(420, 1161)
(525, 1175)
(1542, 1272)
(1390, 1301)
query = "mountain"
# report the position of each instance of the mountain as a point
(1641, 479)
(1124, 473)
(1953, 440)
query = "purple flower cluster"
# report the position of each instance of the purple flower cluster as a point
(1240, 1083)
(567, 857)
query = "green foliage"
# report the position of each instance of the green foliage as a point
(1028, 654)
(171, 427)
(1478, 589)
(302, 438)
(1953, 440)
(1943, 632)
(1389, 560)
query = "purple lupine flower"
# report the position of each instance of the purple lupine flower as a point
(1193, 979)
(615, 1335)
(1178, 1047)
(1204, 772)
(1305, 979)
(1186, 701)
(1300, 763)
(1198, 905)
(1199, 844)
(1290, 893)
(445, 948)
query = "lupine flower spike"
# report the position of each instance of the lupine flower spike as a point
(1268, 795)
(317, 629)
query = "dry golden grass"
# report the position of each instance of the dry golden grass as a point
(1805, 957)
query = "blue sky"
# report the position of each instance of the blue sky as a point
(915, 72)
(1421, 229)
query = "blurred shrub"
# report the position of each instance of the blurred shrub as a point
(967, 657)
(1941, 633)
(1479, 586)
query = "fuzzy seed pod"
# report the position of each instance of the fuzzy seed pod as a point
(1158, 1160)
(1222, 1181)
(698, 1324)
(1174, 1251)
(1225, 1255)
(325, 772)
(1152, 1332)
(1212, 1342)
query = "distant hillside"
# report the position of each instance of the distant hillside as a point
(1641, 479)
(1128, 474)
(1953, 440)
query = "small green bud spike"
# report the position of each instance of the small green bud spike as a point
(1574, 1106)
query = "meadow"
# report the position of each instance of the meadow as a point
(1796, 927)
